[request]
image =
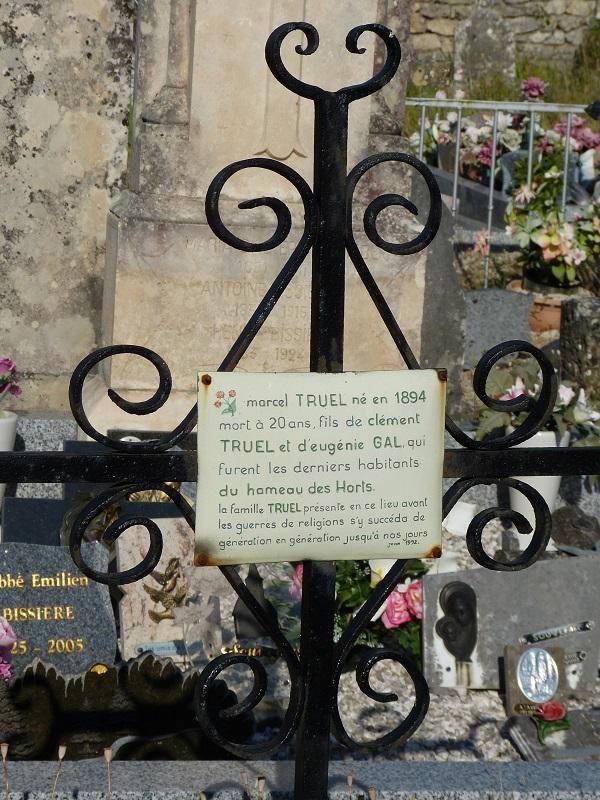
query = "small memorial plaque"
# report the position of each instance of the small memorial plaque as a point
(58, 614)
(319, 466)
(533, 676)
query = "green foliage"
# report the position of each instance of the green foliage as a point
(574, 84)
(353, 587)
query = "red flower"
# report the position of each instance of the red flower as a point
(220, 395)
(218, 403)
(231, 393)
(551, 711)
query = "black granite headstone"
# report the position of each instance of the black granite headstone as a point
(32, 521)
(58, 614)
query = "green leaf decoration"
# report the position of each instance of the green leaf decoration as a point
(545, 729)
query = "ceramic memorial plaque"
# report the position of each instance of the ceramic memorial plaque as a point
(319, 466)
(57, 614)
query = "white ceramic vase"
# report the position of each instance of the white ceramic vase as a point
(8, 432)
(546, 485)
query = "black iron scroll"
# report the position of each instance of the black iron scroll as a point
(314, 677)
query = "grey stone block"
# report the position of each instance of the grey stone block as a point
(494, 316)
(47, 431)
(400, 780)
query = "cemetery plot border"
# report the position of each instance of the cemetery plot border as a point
(137, 466)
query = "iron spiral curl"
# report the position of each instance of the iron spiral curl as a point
(541, 532)
(154, 403)
(539, 408)
(373, 656)
(104, 501)
(266, 305)
(348, 93)
(283, 216)
(209, 719)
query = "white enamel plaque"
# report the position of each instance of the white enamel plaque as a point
(319, 466)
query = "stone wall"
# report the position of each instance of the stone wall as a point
(543, 29)
(65, 87)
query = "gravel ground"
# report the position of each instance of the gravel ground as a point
(469, 728)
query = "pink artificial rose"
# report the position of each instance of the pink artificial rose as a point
(5, 673)
(414, 599)
(7, 365)
(396, 610)
(7, 638)
(16, 391)
(296, 587)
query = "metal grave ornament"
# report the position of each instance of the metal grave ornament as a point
(309, 466)
(537, 675)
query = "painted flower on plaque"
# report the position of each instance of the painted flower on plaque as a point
(549, 718)
(551, 711)
(227, 402)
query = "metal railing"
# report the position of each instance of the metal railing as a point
(533, 112)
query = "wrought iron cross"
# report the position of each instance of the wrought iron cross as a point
(312, 712)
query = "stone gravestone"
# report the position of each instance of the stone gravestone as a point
(494, 315)
(483, 44)
(57, 614)
(580, 743)
(175, 608)
(194, 115)
(580, 343)
(555, 603)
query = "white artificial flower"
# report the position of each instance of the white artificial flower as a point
(553, 136)
(441, 95)
(459, 94)
(414, 140)
(444, 126)
(472, 133)
(511, 139)
(576, 256)
(452, 117)
(504, 121)
(565, 394)
(582, 413)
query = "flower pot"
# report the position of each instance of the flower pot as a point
(540, 282)
(8, 432)
(547, 300)
(546, 485)
(545, 314)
